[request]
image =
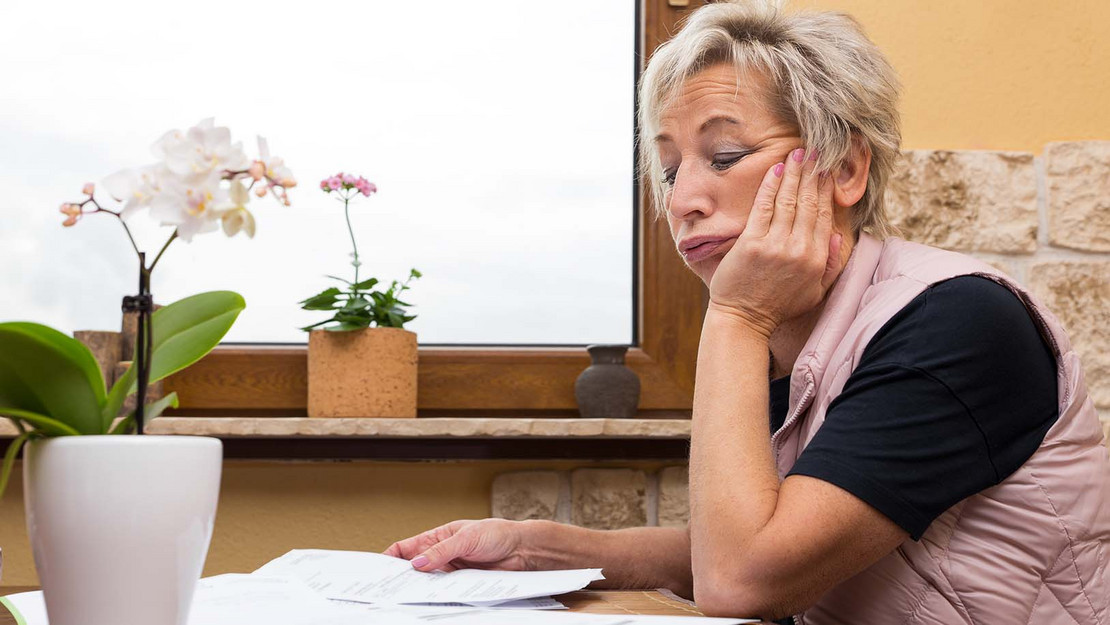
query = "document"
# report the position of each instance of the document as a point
(235, 599)
(318, 587)
(381, 579)
(538, 603)
(256, 599)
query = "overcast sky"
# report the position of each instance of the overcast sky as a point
(499, 135)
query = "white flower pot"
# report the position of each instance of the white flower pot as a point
(120, 525)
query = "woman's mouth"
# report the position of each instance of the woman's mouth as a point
(700, 249)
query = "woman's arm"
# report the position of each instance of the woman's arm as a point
(758, 547)
(638, 557)
(761, 548)
(642, 557)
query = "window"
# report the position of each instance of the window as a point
(503, 158)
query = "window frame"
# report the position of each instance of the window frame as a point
(272, 380)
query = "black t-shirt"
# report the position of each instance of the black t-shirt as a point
(951, 396)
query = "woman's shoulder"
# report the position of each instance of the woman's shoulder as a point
(965, 317)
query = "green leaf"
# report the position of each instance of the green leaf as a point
(345, 327)
(183, 332)
(356, 303)
(43, 423)
(318, 324)
(151, 411)
(415, 274)
(45, 372)
(9, 460)
(365, 284)
(322, 301)
(125, 425)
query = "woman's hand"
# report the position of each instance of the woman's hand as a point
(788, 256)
(486, 544)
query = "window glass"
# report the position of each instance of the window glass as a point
(499, 135)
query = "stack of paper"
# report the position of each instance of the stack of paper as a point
(381, 579)
(319, 587)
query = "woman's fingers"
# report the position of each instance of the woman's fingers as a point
(439, 555)
(410, 548)
(832, 263)
(786, 202)
(759, 219)
(814, 198)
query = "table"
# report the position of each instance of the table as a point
(595, 601)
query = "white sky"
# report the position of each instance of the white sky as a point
(499, 135)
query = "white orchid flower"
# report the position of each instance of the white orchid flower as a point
(275, 166)
(136, 188)
(185, 188)
(193, 207)
(237, 218)
(200, 150)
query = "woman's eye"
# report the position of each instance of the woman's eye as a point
(669, 176)
(724, 160)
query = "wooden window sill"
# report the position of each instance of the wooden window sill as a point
(500, 438)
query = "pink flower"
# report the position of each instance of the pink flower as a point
(334, 183)
(324, 185)
(349, 179)
(261, 191)
(88, 188)
(257, 170)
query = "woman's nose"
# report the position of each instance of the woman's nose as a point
(690, 193)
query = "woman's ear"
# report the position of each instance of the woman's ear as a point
(851, 175)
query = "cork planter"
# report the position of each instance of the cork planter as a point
(362, 373)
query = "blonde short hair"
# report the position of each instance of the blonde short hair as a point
(821, 72)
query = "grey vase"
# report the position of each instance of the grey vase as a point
(607, 389)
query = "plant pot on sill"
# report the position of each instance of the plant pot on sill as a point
(120, 525)
(362, 373)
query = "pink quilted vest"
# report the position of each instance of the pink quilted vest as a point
(1031, 550)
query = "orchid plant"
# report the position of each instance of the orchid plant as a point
(50, 384)
(358, 305)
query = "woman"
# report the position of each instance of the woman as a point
(934, 457)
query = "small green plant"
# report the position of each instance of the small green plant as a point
(51, 385)
(358, 305)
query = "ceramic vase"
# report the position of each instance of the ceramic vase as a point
(120, 525)
(362, 373)
(607, 389)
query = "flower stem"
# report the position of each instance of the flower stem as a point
(101, 209)
(162, 251)
(347, 214)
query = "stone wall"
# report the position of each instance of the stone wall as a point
(1042, 220)
(594, 498)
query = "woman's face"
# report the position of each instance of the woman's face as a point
(716, 141)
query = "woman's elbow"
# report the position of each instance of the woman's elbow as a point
(739, 597)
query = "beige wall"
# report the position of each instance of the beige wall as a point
(993, 74)
(986, 74)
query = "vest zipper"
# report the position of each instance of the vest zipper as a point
(803, 404)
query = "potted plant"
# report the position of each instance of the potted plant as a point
(361, 360)
(120, 524)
